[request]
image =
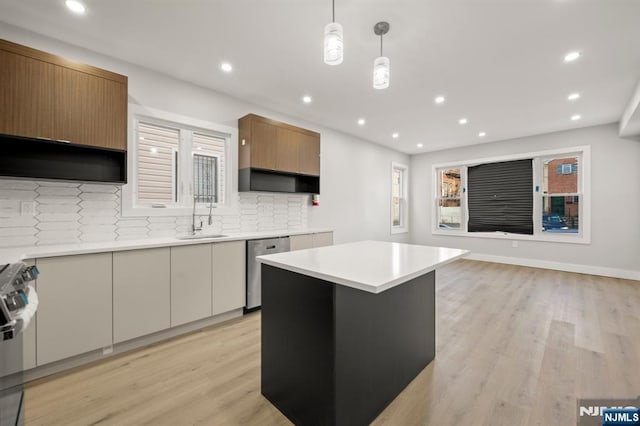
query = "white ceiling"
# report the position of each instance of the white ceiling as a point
(498, 62)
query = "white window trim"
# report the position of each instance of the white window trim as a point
(230, 205)
(404, 207)
(584, 189)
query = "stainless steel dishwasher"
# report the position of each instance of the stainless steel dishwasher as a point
(254, 282)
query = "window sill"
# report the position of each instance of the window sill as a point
(575, 239)
(398, 230)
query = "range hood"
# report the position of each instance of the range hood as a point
(45, 159)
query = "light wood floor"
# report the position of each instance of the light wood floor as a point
(515, 346)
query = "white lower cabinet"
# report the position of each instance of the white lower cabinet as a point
(190, 283)
(75, 311)
(300, 242)
(307, 241)
(323, 239)
(141, 292)
(229, 272)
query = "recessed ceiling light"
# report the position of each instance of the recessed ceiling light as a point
(576, 117)
(76, 7)
(573, 96)
(306, 99)
(361, 121)
(482, 134)
(439, 99)
(462, 121)
(226, 67)
(419, 145)
(395, 135)
(572, 56)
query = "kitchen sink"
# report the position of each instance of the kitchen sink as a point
(200, 236)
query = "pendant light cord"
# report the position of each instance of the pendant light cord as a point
(333, 11)
(380, 44)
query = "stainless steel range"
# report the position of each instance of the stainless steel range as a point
(18, 304)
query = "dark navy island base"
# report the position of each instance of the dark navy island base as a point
(336, 355)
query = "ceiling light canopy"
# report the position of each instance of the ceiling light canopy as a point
(439, 99)
(381, 63)
(76, 7)
(572, 56)
(306, 99)
(333, 45)
(573, 96)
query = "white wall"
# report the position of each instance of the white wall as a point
(355, 174)
(615, 203)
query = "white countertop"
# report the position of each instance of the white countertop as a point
(15, 254)
(373, 266)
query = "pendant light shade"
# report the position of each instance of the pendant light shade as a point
(381, 64)
(381, 72)
(333, 44)
(333, 39)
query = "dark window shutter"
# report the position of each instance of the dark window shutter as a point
(500, 197)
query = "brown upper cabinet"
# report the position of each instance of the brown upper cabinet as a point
(271, 145)
(46, 96)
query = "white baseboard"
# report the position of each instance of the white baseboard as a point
(558, 266)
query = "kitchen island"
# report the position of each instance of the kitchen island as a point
(345, 328)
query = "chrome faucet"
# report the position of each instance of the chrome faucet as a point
(211, 206)
(194, 229)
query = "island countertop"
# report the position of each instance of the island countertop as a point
(373, 266)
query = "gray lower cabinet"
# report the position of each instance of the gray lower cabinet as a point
(141, 292)
(75, 311)
(229, 272)
(190, 283)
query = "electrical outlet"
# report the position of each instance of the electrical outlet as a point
(514, 244)
(27, 208)
(108, 350)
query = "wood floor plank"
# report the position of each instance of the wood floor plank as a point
(515, 346)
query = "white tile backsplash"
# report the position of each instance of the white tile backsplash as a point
(70, 212)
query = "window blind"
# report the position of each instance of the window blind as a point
(500, 197)
(156, 148)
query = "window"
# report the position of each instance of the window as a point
(449, 203)
(156, 153)
(176, 161)
(500, 197)
(399, 204)
(561, 195)
(538, 196)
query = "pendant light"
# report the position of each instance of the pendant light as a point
(381, 64)
(333, 40)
